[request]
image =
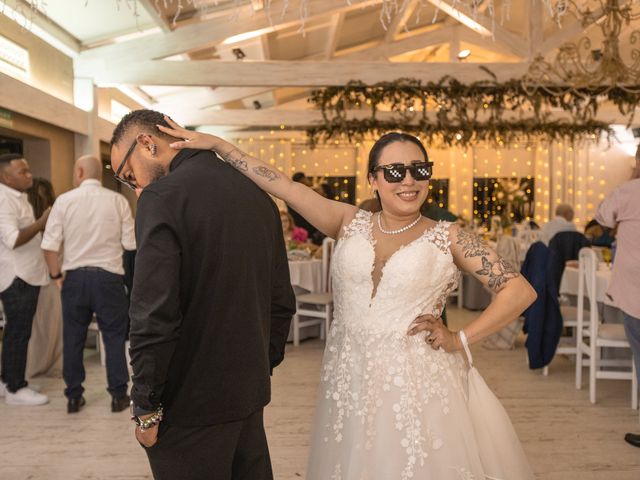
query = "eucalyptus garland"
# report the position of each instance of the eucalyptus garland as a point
(452, 113)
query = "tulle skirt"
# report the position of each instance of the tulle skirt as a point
(391, 408)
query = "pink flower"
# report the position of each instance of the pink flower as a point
(299, 235)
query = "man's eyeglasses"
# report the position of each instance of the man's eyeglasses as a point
(395, 172)
(117, 176)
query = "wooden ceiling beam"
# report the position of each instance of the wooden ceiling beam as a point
(401, 18)
(496, 33)
(211, 32)
(337, 20)
(157, 17)
(306, 118)
(536, 27)
(293, 73)
(408, 44)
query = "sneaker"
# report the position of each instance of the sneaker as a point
(25, 396)
(3, 389)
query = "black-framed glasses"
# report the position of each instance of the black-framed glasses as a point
(117, 176)
(395, 172)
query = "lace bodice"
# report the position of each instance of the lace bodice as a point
(415, 280)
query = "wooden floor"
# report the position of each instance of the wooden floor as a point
(564, 435)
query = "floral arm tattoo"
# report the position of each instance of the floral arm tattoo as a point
(236, 159)
(471, 244)
(499, 272)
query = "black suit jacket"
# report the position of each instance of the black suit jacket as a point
(212, 300)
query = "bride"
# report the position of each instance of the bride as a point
(397, 400)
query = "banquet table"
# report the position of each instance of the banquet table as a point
(306, 274)
(571, 276)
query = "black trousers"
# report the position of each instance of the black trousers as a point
(20, 301)
(229, 451)
(85, 291)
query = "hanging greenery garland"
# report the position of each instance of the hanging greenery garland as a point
(452, 113)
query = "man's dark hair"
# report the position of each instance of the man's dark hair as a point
(144, 120)
(7, 158)
(298, 177)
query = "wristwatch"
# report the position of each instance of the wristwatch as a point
(55, 277)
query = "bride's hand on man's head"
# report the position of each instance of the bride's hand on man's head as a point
(190, 138)
(438, 335)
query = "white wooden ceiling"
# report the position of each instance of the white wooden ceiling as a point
(184, 62)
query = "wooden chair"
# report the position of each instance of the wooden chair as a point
(316, 308)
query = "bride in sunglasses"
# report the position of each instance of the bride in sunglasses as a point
(399, 398)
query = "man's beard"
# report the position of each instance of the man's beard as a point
(156, 172)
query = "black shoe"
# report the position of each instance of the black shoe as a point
(120, 403)
(74, 404)
(633, 439)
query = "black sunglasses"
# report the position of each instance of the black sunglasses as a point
(395, 172)
(117, 176)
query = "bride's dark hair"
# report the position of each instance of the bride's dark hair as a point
(387, 139)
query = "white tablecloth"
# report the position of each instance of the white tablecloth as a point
(570, 278)
(306, 274)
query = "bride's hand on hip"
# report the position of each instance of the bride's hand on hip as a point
(190, 139)
(438, 335)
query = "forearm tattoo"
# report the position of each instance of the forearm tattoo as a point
(472, 245)
(499, 272)
(236, 159)
(266, 173)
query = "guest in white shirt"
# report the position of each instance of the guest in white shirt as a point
(22, 273)
(563, 222)
(95, 225)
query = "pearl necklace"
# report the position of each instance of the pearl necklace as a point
(399, 230)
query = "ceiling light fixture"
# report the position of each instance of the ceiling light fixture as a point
(464, 54)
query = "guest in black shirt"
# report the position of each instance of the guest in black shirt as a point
(210, 307)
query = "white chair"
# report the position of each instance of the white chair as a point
(569, 343)
(93, 327)
(599, 335)
(316, 308)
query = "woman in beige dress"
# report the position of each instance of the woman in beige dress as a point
(44, 356)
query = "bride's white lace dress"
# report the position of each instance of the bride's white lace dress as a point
(390, 407)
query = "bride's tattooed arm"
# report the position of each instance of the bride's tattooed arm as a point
(513, 294)
(498, 270)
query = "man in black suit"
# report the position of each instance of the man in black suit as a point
(210, 307)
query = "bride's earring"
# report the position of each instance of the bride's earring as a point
(153, 148)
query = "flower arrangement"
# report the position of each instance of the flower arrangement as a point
(299, 235)
(512, 200)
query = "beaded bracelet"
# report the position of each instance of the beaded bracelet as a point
(150, 422)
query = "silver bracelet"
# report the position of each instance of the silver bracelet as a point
(150, 422)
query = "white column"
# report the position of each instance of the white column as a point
(86, 98)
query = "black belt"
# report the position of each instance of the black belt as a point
(88, 269)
